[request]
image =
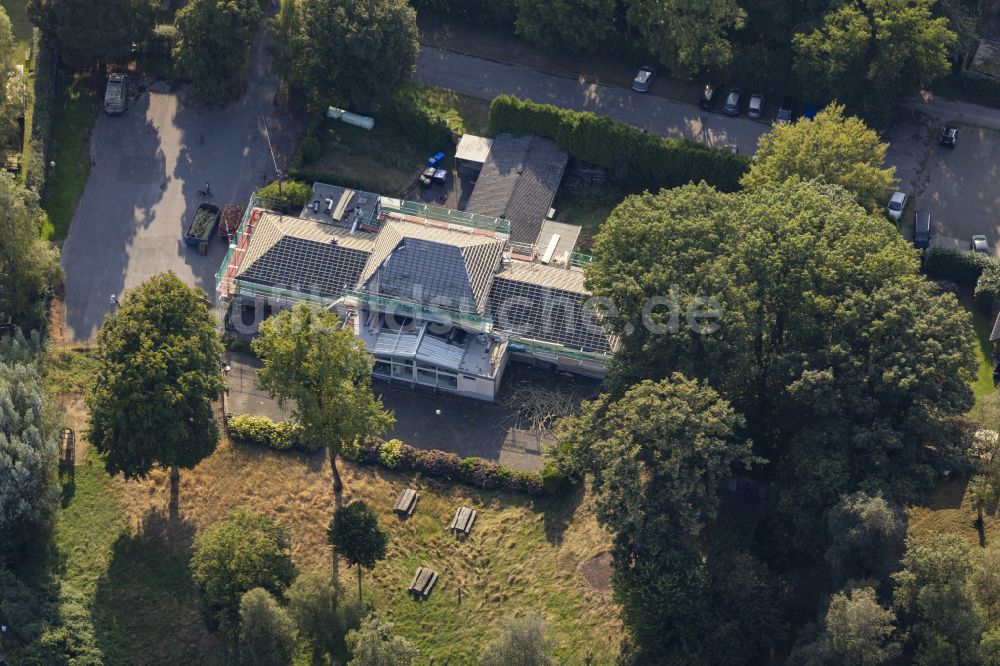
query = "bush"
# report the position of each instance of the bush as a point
(285, 197)
(310, 149)
(162, 40)
(959, 266)
(639, 160)
(987, 287)
(438, 464)
(391, 453)
(486, 474)
(351, 451)
(421, 127)
(42, 116)
(278, 435)
(529, 483)
(553, 480)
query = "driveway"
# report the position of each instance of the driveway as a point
(486, 79)
(950, 110)
(148, 166)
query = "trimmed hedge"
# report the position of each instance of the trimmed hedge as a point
(395, 455)
(420, 126)
(987, 287)
(278, 435)
(639, 160)
(34, 167)
(961, 266)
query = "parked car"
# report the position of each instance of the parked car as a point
(980, 245)
(116, 94)
(644, 79)
(921, 230)
(707, 100)
(785, 111)
(732, 105)
(949, 137)
(897, 202)
(756, 106)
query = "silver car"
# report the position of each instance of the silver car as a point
(980, 244)
(896, 205)
(644, 79)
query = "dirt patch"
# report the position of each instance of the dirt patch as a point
(597, 572)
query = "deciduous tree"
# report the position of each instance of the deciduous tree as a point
(832, 148)
(214, 47)
(857, 631)
(374, 644)
(267, 636)
(687, 35)
(355, 534)
(233, 556)
(347, 52)
(573, 25)
(92, 33)
(29, 266)
(161, 369)
(522, 642)
(866, 538)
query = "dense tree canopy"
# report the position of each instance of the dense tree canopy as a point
(831, 148)
(28, 450)
(866, 536)
(29, 266)
(91, 33)
(575, 25)
(840, 356)
(857, 631)
(687, 35)
(214, 46)
(870, 53)
(236, 555)
(346, 52)
(267, 635)
(161, 370)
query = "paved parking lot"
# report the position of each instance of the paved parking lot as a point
(958, 187)
(148, 166)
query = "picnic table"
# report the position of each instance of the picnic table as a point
(461, 524)
(423, 582)
(406, 503)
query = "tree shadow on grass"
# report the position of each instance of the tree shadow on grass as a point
(147, 604)
(558, 511)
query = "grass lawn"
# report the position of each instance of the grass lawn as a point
(17, 12)
(75, 113)
(983, 386)
(524, 554)
(587, 206)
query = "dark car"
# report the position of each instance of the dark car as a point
(732, 105)
(949, 137)
(785, 111)
(922, 230)
(707, 100)
(644, 79)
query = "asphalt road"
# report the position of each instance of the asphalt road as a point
(949, 110)
(486, 79)
(148, 166)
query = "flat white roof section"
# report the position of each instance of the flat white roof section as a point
(472, 148)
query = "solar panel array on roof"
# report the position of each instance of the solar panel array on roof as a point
(546, 314)
(322, 269)
(519, 183)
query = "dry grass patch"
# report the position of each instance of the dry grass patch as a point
(523, 554)
(950, 511)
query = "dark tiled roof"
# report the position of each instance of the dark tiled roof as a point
(433, 266)
(519, 182)
(322, 269)
(537, 312)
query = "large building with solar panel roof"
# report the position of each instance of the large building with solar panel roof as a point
(442, 298)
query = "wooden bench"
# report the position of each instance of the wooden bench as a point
(461, 524)
(406, 503)
(423, 582)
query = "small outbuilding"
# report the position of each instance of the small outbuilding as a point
(471, 153)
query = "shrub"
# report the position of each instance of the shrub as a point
(285, 197)
(370, 452)
(639, 160)
(530, 483)
(552, 479)
(311, 150)
(391, 453)
(351, 451)
(422, 127)
(438, 464)
(959, 266)
(987, 287)
(162, 40)
(278, 435)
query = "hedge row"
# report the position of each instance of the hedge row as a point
(639, 160)
(397, 456)
(987, 287)
(959, 266)
(421, 127)
(42, 115)
(278, 435)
